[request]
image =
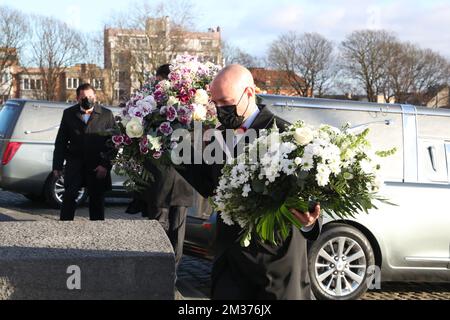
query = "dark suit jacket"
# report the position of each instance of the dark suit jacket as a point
(168, 189)
(263, 271)
(84, 146)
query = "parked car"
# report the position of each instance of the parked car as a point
(408, 242)
(28, 130)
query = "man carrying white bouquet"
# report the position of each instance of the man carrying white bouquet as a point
(260, 270)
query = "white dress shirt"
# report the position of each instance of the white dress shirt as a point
(87, 114)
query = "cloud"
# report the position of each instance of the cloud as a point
(286, 17)
(73, 16)
(417, 21)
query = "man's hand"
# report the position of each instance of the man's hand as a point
(307, 219)
(57, 173)
(101, 172)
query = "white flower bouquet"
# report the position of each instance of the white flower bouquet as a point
(296, 169)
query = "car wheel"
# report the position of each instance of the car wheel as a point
(54, 192)
(338, 263)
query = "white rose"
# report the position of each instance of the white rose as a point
(298, 161)
(172, 101)
(134, 128)
(199, 113)
(303, 136)
(201, 97)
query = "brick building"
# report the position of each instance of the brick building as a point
(87, 73)
(131, 53)
(274, 81)
(9, 64)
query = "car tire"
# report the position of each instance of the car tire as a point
(54, 189)
(354, 259)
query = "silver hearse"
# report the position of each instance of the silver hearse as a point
(28, 131)
(408, 242)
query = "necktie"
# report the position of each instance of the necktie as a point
(240, 130)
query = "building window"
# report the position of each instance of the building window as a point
(206, 43)
(123, 76)
(26, 84)
(36, 84)
(97, 84)
(72, 83)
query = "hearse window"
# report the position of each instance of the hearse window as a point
(8, 117)
(447, 151)
(433, 161)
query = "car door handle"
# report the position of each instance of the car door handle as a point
(432, 153)
(43, 130)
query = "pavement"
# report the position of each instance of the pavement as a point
(194, 273)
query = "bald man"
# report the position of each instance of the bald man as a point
(261, 270)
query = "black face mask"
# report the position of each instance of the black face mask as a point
(86, 103)
(228, 116)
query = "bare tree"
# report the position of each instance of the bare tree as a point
(307, 59)
(431, 71)
(233, 54)
(13, 35)
(55, 47)
(94, 59)
(412, 73)
(364, 55)
(180, 12)
(94, 48)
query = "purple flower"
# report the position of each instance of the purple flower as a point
(165, 128)
(127, 140)
(143, 142)
(174, 76)
(171, 113)
(159, 95)
(143, 150)
(118, 140)
(183, 111)
(157, 154)
(183, 96)
(186, 119)
(192, 92)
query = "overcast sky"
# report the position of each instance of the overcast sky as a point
(253, 24)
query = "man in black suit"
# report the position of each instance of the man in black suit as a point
(261, 270)
(168, 198)
(82, 143)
